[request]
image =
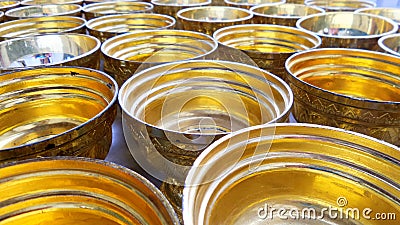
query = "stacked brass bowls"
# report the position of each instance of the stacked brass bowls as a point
(294, 174)
(282, 14)
(353, 89)
(208, 19)
(348, 29)
(7, 5)
(51, 2)
(125, 53)
(390, 44)
(69, 190)
(341, 5)
(247, 4)
(115, 7)
(106, 27)
(44, 10)
(391, 13)
(268, 45)
(41, 25)
(50, 49)
(56, 111)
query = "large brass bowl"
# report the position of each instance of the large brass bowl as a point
(391, 13)
(294, 174)
(348, 29)
(125, 53)
(106, 27)
(44, 10)
(115, 7)
(41, 25)
(51, 2)
(7, 5)
(247, 4)
(341, 5)
(390, 44)
(50, 49)
(56, 111)
(67, 190)
(353, 89)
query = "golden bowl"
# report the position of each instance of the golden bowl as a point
(7, 5)
(341, 5)
(106, 27)
(268, 45)
(354, 89)
(348, 29)
(53, 111)
(390, 44)
(43, 10)
(208, 19)
(51, 2)
(115, 7)
(283, 14)
(67, 190)
(50, 49)
(247, 4)
(125, 53)
(391, 13)
(41, 25)
(294, 174)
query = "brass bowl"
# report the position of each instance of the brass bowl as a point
(7, 5)
(390, 44)
(341, 5)
(348, 29)
(67, 190)
(283, 14)
(247, 4)
(115, 7)
(128, 53)
(33, 11)
(268, 45)
(51, 2)
(208, 19)
(41, 25)
(106, 27)
(53, 111)
(353, 89)
(391, 13)
(294, 174)
(50, 49)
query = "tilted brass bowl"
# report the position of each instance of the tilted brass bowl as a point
(208, 19)
(391, 13)
(115, 7)
(68, 190)
(51, 2)
(353, 89)
(41, 25)
(50, 49)
(268, 45)
(247, 4)
(390, 44)
(125, 53)
(105, 27)
(7, 5)
(283, 14)
(53, 111)
(44, 10)
(348, 29)
(294, 174)
(341, 5)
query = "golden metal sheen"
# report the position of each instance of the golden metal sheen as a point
(115, 7)
(68, 190)
(390, 44)
(247, 4)
(43, 10)
(1, 16)
(301, 2)
(341, 5)
(391, 13)
(51, 2)
(6, 5)
(353, 89)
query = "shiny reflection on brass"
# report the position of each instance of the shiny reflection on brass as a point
(391, 13)
(390, 44)
(268, 45)
(41, 25)
(51, 2)
(353, 89)
(247, 177)
(44, 10)
(341, 5)
(247, 4)
(52, 111)
(67, 190)
(105, 27)
(348, 29)
(301, 2)
(1, 16)
(50, 49)
(124, 53)
(7, 5)
(115, 7)
(208, 19)
(283, 14)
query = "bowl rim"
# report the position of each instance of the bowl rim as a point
(366, 10)
(248, 17)
(26, 2)
(384, 47)
(321, 10)
(23, 8)
(237, 4)
(90, 7)
(371, 3)
(16, 3)
(157, 3)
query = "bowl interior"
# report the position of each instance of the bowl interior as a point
(391, 44)
(46, 2)
(43, 10)
(253, 2)
(179, 2)
(391, 13)
(5, 5)
(286, 10)
(341, 5)
(214, 14)
(118, 7)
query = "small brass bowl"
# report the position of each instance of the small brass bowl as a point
(354, 89)
(293, 174)
(208, 19)
(390, 44)
(56, 111)
(268, 45)
(283, 14)
(33, 11)
(67, 190)
(125, 53)
(391, 13)
(115, 7)
(41, 25)
(348, 29)
(247, 4)
(105, 27)
(341, 5)
(7, 5)
(50, 49)
(51, 2)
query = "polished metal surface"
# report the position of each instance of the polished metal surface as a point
(247, 4)
(51, 2)
(390, 44)
(391, 13)
(43, 10)
(115, 7)
(7, 5)
(1, 16)
(341, 5)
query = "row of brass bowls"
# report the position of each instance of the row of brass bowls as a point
(390, 44)
(106, 27)
(56, 111)
(6, 5)
(44, 10)
(317, 174)
(247, 4)
(68, 190)
(341, 5)
(115, 7)
(51, 2)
